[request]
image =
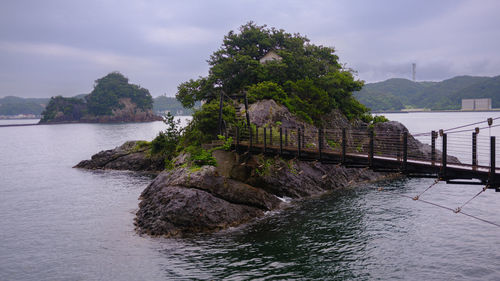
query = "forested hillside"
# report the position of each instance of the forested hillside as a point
(14, 105)
(397, 93)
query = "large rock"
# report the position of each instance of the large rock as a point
(295, 179)
(129, 112)
(183, 201)
(125, 157)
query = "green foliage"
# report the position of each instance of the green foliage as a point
(142, 145)
(264, 167)
(379, 119)
(310, 145)
(169, 164)
(108, 91)
(63, 109)
(200, 157)
(166, 142)
(204, 126)
(307, 79)
(368, 118)
(227, 142)
(333, 144)
(267, 90)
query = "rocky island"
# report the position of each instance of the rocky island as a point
(203, 184)
(113, 100)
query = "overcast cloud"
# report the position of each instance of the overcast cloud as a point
(60, 47)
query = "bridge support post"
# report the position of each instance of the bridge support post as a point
(271, 135)
(286, 137)
(221, 103)
(491, 180)
(250, 135)
(344, 146)
(433, 147)
(298, 141)
(281, 140)
(320, 143)
(442, 173)
(265, 141)
(247, 114)
(237, 148)
(474, 150)
(371, 147)
(404, 166)
(303, 144)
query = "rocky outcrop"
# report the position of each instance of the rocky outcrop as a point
(184, 201)
(127, 112)
(129, 156)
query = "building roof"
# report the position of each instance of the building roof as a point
(270, 56)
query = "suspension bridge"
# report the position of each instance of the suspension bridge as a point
(461, 155)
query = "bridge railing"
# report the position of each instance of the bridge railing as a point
(464, 149)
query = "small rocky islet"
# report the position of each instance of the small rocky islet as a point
(262, 77)
(113, 100)
(186, 200)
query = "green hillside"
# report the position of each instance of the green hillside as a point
(15, 105)
(397, 93)
(172, 105)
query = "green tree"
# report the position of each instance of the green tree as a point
(205, 122)
(62, 109)
(108, 91)
(306, 77)
(166, 142)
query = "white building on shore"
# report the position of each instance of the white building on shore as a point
(476, 104)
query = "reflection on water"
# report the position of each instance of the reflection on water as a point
(60, 223)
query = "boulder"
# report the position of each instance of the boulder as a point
(125, 157)
(183, 201)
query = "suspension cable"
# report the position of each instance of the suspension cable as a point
(462, 126)
(433, 184)
(450, 209)
(459, 209)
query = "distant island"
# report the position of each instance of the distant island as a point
(113, 99)
(12, 107)
(399, 94)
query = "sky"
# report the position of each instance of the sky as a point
(60, 47)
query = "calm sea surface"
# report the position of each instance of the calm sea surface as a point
(60, 223)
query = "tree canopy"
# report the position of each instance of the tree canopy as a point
(308, 79)
(112, 87)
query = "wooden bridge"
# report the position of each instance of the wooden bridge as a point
(457, 155)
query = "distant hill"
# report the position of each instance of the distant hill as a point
(397, 93)
(11, 105)
(14, 105)
(162, 104)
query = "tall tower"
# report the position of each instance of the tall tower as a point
(414, 70)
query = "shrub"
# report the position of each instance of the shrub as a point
(200, 157)
(166, 142)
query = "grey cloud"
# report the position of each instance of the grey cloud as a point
(60, 47)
